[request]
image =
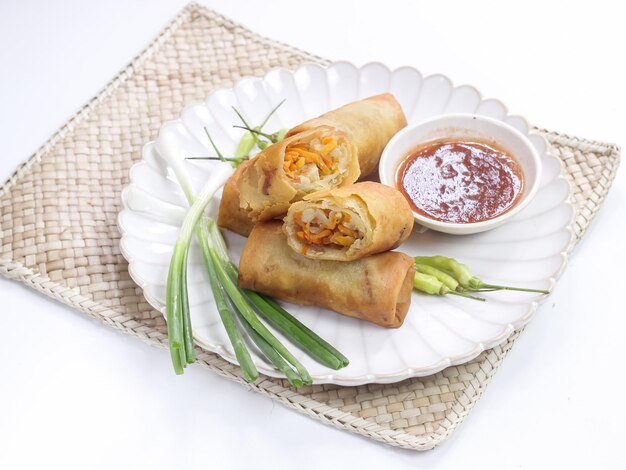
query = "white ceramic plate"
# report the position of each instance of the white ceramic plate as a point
(530, 250)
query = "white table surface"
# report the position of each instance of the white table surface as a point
(77, 393)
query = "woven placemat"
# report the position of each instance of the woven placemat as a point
(59, 235)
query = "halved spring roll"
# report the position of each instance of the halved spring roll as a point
(319, 158)
(370, 123)
(377, 288)
(349, 223)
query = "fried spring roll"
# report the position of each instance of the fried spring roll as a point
(377, 288)
(371, 123)
(320, 158)
(349, 223)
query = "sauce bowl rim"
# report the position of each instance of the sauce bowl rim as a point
(392, 157)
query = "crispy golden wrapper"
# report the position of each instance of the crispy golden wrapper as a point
(377, 288)
(231, 215)
(370, 122)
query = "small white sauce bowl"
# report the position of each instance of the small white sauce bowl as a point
(469, 127)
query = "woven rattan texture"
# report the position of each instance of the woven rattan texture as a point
(59, 234)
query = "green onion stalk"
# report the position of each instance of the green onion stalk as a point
(224, 309)
(278, 317)
(248, 314)
(229, 298)
(225, 291)
(177, 304)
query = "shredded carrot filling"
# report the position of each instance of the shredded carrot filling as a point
(329, 145)
(297, 156)
(331, 232)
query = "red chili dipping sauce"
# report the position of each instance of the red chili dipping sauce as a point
(460, 182)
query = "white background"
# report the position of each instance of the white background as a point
(76, 393)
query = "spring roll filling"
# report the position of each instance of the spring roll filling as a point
(319, 163)
(330, 228)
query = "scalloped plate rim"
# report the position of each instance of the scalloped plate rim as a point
(408, 372)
